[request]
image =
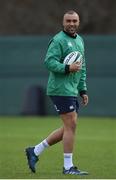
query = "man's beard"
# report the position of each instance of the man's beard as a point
(71, 30)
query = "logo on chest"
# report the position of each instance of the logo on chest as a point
(70, 44)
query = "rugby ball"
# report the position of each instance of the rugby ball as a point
(72, 57)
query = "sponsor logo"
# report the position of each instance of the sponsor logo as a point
(71, 107)
(56, 108)
(70, 44)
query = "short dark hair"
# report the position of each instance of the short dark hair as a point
(70, 12)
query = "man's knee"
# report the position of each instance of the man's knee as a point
(70, 120)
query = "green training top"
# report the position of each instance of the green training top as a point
(61, 82)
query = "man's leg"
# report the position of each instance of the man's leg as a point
(52, 139)
(33, 152)
(69, 121)
(55, 136)
(66, 133)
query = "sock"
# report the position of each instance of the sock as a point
(39, 148)
(68, 160)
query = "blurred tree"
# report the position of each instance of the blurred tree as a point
(32, 17)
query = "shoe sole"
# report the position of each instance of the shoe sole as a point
(75, 174)
(81, 174)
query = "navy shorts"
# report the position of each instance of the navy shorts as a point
(65, 104)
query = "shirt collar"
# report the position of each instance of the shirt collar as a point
(70, 34)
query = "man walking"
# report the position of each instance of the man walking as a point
(65, 84)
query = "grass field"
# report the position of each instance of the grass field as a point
(95, 148)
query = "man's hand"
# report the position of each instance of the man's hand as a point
(75, 67)
(85, 99)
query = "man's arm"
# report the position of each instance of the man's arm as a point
(82, 87)
(53, 58)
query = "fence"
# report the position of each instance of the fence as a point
(22, 72)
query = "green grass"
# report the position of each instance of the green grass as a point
(95, 148)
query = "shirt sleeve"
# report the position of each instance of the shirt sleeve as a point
(82, 83)
(53, 58)
(82, 87)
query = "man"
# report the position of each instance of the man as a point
(65, 83)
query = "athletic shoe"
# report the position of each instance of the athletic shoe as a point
(32, 158)
(73, 170)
